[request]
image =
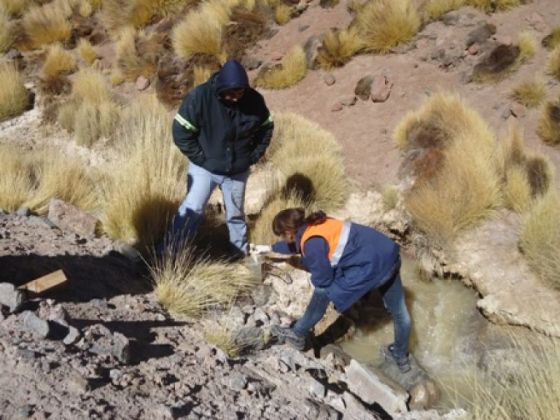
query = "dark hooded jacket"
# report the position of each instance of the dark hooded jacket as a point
(223, 138)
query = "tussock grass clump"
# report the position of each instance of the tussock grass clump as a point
(58, 61)
(94, 121)
(517, 191)
(282, 14)
(549, 123)
(86, 51)
(15, 7)
(540, 238)
(130, 61)
(527, 46)
(222, 336)
(434, 9)
(338, 47)
(498, 64)
(14, 97)
(530, 93)
(15, 178)
(529, 389)
(6, 31)
(493, 5)
(189, 285)
(47, 24)
(90, 85)
(383, 24)
(148, 177)
(552, 40)
(292, 69)
(463, 187)
(553, 63)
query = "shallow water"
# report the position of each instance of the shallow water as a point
(446, 337)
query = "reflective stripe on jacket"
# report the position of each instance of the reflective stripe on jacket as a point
(335, 232)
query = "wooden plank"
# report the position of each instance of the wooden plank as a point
(47, 282)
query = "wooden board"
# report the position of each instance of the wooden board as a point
(42, 284)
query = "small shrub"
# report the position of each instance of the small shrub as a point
(553, 64)
(86, 51)
(6, 31)
(58, 61)
(131, 63)
(292, 69)
(282, 14)
(540, 238)
(552, 40)
(434, 9)
(338, 47)
(15, 178)
(46, 24)
(201, 31)
(148, 176)
(549, 123)
(14, 97)
(190, 285)
(383, 24)
(527, 46)
(530, 93)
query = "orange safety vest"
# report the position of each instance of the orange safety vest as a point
(334, 231)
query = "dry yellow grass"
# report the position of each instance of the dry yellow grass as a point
(66, 114)
(14, 98)
(86, 51)
(90, 85)
(222, 335)
(58, 61)
(282, 14)
(93, 121)
(201, 31)
(15, 178)
(148, 176)
(527, 45)
(295, 136)
(293, 69)
(549, 123)
(517, 190)
(85, 8)
(530, 93)
(338, 47)
(46, 24)
(117, 14)
(201, 74)
(117, 78)
(528, 389)
(552, 40)
(434, 9)
(383, 24)
(131, 63)
(464, 187)
(540, 238)
(553, 63)
(6, 31)
(493, 5)
(16, 7)
(190, 285)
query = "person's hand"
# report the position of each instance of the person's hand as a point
(259, 249)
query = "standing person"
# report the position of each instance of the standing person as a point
(346, 260)
(223, 126)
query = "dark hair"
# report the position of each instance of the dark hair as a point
(294, 218)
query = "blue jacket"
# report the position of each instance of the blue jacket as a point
(223, 138)
(368, 259)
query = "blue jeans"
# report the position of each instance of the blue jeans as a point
(200, 185)
(393, 297)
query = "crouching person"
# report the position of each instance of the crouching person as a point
(346, 261)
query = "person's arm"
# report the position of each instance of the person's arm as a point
(186, 130)
(283, 247)
(316, 260)
(263, 135)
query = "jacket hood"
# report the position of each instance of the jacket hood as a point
(232, 75)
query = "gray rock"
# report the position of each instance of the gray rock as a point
(105, 343)
(380, 88)
(261, 295)
(24, 412)
(11, 297)
(348, 100)
(317, 389)
(311, 49)
(363, 88)
(26, 354)
(23, 211)
(372, 388)
(71, 218)
(127, 251)
(72, 337)
(481, 34)
(238, 382)
(166, 412)
(250, 338)
(77, 383)
(35, 325)
(329, 79)
(121, 348)
(251, 63)
(40, 221)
